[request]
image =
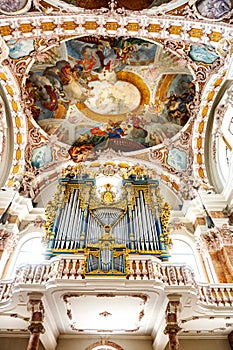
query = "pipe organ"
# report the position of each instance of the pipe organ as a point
(106, 217)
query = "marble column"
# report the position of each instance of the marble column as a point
(36, 328)
(172, 327)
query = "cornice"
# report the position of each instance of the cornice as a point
(87, 22)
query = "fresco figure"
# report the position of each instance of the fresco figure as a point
(177, 106)
(66, 83)
(20, 48)
(72, 88)
(177, 158)
(203, 54)
(214, 9)
(96, 57)
(41, 156)
(137, 134)
(81, 148)
(56, 88)
(149, 128)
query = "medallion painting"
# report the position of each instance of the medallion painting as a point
(126, 92)
(14, 6)
(214, 9)
(205, 54)
(20, 48)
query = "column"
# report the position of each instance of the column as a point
(8, 242)
(36, 328)
(172, 327)
(230, 339)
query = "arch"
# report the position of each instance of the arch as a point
(185, 251)
(104, 345)
(29, 250)
(169, 185)
(6, 137)
(218, 141)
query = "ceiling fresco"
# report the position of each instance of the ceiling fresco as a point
(82, 81)
(134, 5)
(22, 6)
(91, 92)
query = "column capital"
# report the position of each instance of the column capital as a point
(36, 307)
(36, 328)
(172, 328)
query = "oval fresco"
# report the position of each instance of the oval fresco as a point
(214, 9)
(14, 6)
(126, 92)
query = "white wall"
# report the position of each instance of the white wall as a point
(203, 344)
(83, 343)
(15, 343)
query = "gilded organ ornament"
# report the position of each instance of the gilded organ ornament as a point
(109, 227)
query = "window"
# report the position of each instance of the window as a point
(104, 345)
(30, 250)
(183, 253)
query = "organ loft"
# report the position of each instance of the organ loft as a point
(107, 216)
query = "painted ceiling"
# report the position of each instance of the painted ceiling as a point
(132, 5)
(96, 91)
(138, 79)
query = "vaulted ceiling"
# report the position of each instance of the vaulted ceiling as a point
(92, 80)
(114, 84)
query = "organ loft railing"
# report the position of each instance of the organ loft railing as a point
(107, 215)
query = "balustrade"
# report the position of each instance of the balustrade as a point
(5, 290)
(216, 294)
(140, 268)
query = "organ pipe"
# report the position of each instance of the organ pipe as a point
(153, 229)
(75, 234)
(144, 221)
(72, 215)
(82, 220)
(136, 230)
(60, 230)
